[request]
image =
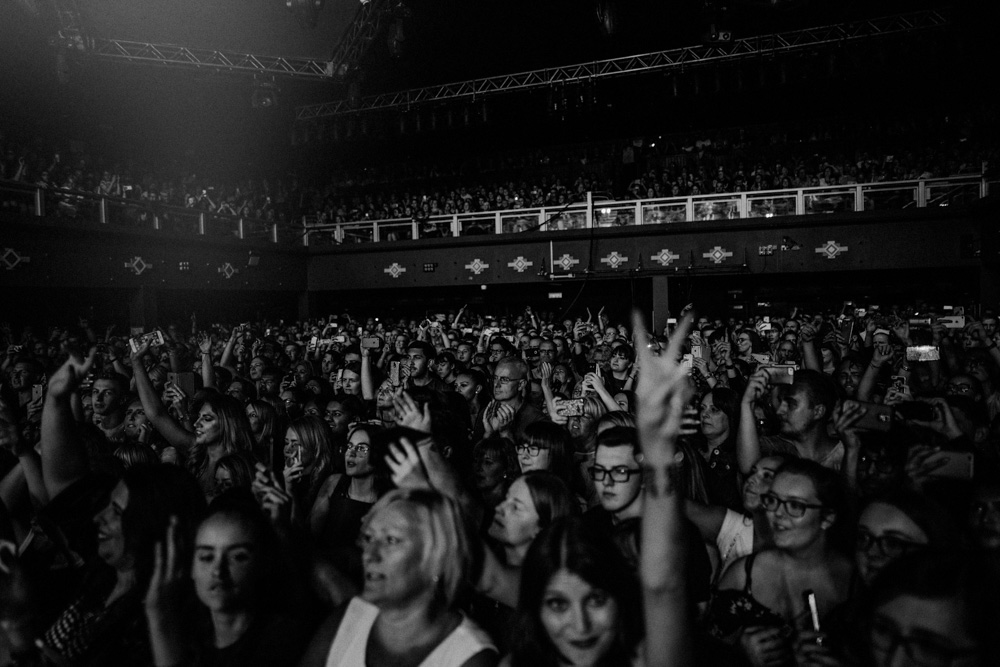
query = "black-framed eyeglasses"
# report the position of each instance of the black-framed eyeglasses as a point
(618, 473)
(889, 546)
(925, 652)
(505, 380)
(793, 508)
(532, 450)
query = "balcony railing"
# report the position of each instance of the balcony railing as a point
(591, 213)
(588, 214)
(130, 214)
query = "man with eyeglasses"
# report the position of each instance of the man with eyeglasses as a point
(617, 476)
(509, 413)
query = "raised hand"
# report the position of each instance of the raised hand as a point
(545, 372)
(411, 414)
(500, 417)
(662, 392)
(166, 587)
(274, 500)
(205, 342)
(69, 376)
(407, 467)
(756, 386)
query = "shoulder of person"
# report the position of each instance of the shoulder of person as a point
(485, 658)
(734, 577)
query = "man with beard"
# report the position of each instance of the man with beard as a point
(110, 395)
(508, 413)
(848, 376)
(804, 411)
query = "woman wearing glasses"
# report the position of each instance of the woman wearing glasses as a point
(344, 499)
(760, 596)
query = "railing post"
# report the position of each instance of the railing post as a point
(338, 234)
(541, 219)
(201, 223)
(921, 194)
(239, 227)
(274, 232)
(414, 229)
(156, 221)
(800, 202)
(590, 209)
(40, 202)
(741, 206)
(456, 230)
(497, 224)
(859, 198)
(375, 232)
(638, 212)
(103, 208)
(689, 209)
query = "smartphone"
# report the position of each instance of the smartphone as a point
(154, 338)
(183, 381)
(394, 377)
(780, 373)
(877, 417)
(37, 391)
(370, 343)
(953, 321)
(340, 339)
(687, 361)
(958, 465)
(923, 353)
(761, 358)
(571, 407)
(847, 330)
(810, 598)
(313, 342)
(697, 351)
(671, 320)
(920, 321)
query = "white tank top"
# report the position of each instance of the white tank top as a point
(348, 649)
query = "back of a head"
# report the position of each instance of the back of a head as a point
(551, 495)
(157, 493)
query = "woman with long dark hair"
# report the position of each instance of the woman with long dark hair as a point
(579, 601)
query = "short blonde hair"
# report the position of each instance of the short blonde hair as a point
(447, 560)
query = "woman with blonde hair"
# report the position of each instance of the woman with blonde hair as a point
(417, 561)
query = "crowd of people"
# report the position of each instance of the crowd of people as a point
(802, 488)
(820, 153)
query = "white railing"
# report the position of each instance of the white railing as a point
(589, 214)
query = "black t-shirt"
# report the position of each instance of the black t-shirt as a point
(626, 534)
(270, 641)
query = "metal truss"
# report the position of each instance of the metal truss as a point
(751, 47)
(358, 37)
(181, 56)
